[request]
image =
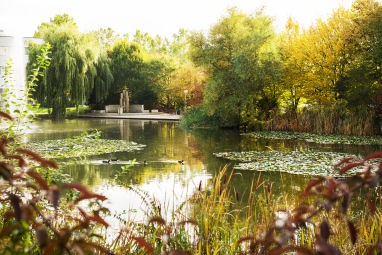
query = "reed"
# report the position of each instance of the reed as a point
(333, 119)
(219, 220)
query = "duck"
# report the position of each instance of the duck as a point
(106, 161)
(181, 162)
(144, 162)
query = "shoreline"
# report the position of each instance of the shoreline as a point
(140, 116)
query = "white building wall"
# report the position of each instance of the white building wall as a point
(14, 48)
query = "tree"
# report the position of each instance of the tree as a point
(294, 69)
(126, 67)
(364, 79)
(328, 54)
(234, 55)
(184, 76)
(106, 37)
(103, 82)
(156, 73)
(70, 78)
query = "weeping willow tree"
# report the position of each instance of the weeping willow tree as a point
(70, 78)
(103, 81)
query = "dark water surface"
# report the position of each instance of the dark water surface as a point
(166, 143)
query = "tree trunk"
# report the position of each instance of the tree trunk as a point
(58, 109)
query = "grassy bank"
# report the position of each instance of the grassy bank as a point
(70, 111)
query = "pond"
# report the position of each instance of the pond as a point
(160, 177)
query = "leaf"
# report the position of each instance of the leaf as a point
(37, 177)
(374, 155)
(352, 232)
(6, 116)
(184, 222)
(54, 196)
(179, 252)
(157, 219)
(95, 218)
(3, 145)
(91, 195)
(245, 239)
(370, 204)
(143, 243)
(36, 157)
(15, 202)
(90, 246)
(327, 249)
(22, 161)
(7, 230)
(5, 171)
(99, 220)
(77, 186)
(27, 212)
(42, 236)
(288, 249)
(345, 202)
(325, 230)
(51, 247)
(85, 193)
(345, 160)
(310, 185)
(49, 163)
(31, 154)
(350, 166)
(258, 182)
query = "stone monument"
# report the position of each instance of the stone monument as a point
(124, 102)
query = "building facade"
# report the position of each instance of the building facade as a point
(14, 51)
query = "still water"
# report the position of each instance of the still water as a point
(163, 179)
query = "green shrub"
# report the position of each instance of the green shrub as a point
(198, 117)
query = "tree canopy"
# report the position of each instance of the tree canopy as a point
(236, 54)
(241, 73)
(69, 80)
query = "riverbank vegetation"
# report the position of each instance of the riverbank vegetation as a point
(323, 79)
(241, 73)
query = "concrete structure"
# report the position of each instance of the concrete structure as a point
(13, 49)
(133, 108)
(113, 108)
(139, 116)
(136, 108)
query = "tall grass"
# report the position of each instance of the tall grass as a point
(214, 220)
(219, 220)
(333, 119)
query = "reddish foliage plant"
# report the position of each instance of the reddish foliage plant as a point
(36, 217)
(330, 195)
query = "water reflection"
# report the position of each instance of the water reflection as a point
(166, 143)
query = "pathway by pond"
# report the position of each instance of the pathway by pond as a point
(174, 161)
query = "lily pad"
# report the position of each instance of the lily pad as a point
(320, 139)
(81, 146)
(294, 162)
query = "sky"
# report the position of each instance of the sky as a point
(156, 17)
